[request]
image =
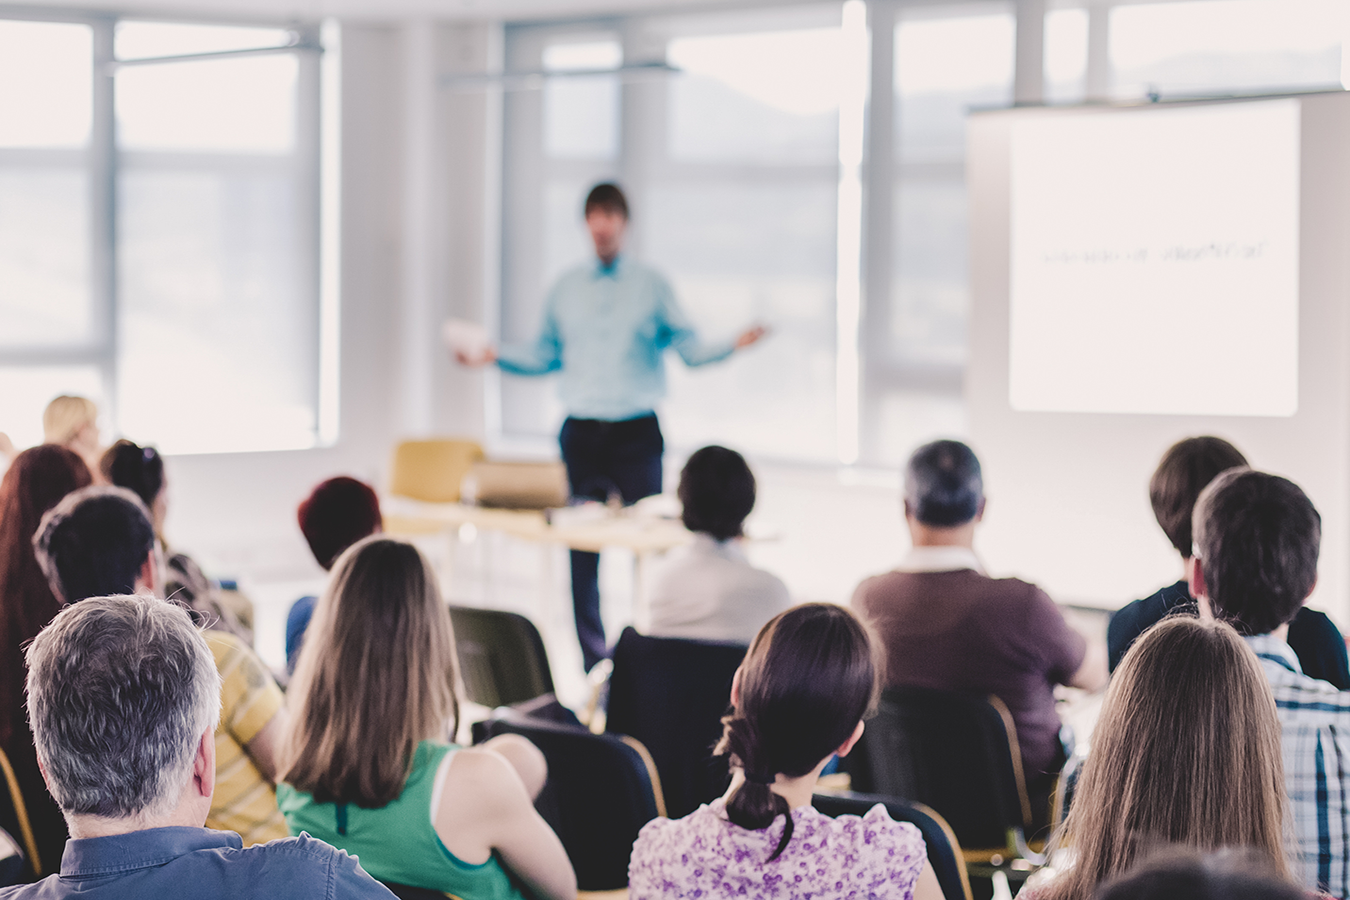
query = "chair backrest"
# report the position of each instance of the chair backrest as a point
(28, 862)
(944, 852)
(955, 753)
(601, 790)
(671, 695)
(407, 892)
(501, 656)
(432, 470)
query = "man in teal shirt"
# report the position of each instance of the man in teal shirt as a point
(606, 327)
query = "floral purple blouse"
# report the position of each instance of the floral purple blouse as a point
(705, 856)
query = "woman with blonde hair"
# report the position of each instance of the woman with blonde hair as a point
(367, 764)
(72, 422)
(1186, 754)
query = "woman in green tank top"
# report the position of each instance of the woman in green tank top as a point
(366, 765)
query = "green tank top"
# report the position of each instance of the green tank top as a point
(398, 843)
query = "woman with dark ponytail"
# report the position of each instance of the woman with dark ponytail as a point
(798, 699)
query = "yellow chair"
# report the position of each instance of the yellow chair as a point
(432, 470)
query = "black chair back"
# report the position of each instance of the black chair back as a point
(952, 752)
(671, 695)
(601, 790)
(501, 656)
(407, 892)
(944, 852)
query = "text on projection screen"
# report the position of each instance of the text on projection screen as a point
(1155, 261)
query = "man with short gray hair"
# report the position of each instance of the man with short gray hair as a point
(946, 625)
(123, 697)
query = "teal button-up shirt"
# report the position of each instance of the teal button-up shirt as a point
(606, 330)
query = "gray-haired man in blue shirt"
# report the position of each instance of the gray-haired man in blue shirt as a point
(606, 327)
(123, 697)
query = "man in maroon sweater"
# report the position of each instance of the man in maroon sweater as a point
(945, 624)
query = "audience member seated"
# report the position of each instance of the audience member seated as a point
(337, 513)
(34, 483)
(708, 591)
(947, 625)
(72, 422)
(1257, 539)
(1182, 474)
(1186, 752)
(798, 699)
(100, 541)
(141, 471)
(123, 697)
(1224, 875)
(367, 766)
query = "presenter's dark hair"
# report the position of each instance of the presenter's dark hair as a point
(607, 197)
(136, 468)
(1184, 471)
(1221, 875)
(809, 678)
(717, 490)
(338, 513)
(94, 542)
(943, 484)
(1258, 537)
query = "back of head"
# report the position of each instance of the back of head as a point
(65, 417)
(338, 513)
(136, 468)
(717, 491)
(36, 481)
(808, 679)
(1198, 767)
(943, 484)
(94, 542)
(376, 676)
(1258, 537)
(608, 197)
(1184, 471)
(121, 689)
(1179, 875)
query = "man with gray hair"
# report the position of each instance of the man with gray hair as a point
(123, 697)
(947, 625)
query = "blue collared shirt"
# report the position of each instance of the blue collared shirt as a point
(606, 329)
(1315, 737)
(202, 864)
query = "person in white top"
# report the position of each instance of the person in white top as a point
(708, 590)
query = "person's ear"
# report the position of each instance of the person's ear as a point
(847, 746)
(45, 780)
(736, 688)
(1195, 577)
(147, 579)
(979, 511)
(204, 765)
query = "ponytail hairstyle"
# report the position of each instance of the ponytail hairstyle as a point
(809, 678)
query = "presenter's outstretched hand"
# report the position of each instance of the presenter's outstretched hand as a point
(484, 357)
(750, 336)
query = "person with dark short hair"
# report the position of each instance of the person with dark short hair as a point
(708, 590)
(100, 541)
(606, 327)
(1257, 542)
(947, 625)
(1223, 875)
(336, 514)
(1184, 471)
(124, 698)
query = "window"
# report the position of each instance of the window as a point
(173, 276)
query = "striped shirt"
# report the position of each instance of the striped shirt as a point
(1315, 722)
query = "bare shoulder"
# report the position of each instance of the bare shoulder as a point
(477, 775)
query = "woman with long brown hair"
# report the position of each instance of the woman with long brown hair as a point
(35, 482)
(798, 699)
(367, 763)
(1186, 753)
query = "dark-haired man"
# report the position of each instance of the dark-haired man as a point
(606, 326)
(1182, 473)
(1257, 540)
(99, 541)
(947, 625)
(708, 591)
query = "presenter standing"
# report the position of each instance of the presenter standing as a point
(606, 326)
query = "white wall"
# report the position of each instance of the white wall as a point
(1068, 492)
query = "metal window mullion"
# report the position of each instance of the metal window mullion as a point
(103, 213)
(306, 183)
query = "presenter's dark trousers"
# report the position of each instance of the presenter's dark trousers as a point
(605, 458)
